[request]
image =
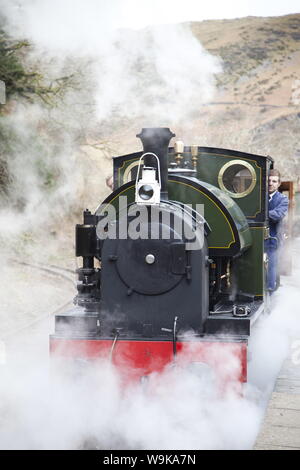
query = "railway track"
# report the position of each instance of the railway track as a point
(55, 271)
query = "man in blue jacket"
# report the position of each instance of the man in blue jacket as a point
(278, 207)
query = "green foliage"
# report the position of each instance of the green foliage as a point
(22, 83)
(28, 86)
(17, 81)
(5, 136)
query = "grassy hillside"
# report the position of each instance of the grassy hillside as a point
(257, 106)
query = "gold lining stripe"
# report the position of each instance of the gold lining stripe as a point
(229, 156)
(251, 228)
(120, 168)
(128, 169)
(215, 247)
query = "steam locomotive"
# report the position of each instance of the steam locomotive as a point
(173, 265)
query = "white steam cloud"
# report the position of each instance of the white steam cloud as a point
(91, 408)
(161, 73)
(121, 79)
(159, 76)
(47, 406)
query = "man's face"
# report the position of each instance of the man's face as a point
(274, 183)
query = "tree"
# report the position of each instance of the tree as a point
(20, 82)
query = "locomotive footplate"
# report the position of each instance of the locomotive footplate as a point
(77, 322)
(223, 318)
